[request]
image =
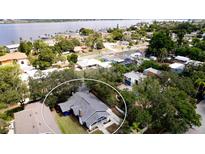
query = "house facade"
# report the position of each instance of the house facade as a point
(87, 107)
(14, 57)
(12, 47)
(132, 78)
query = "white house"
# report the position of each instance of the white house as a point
(12, 47)
(194, 63)
(92, 63)
(132, 78)
(182, 59)
(177, 67)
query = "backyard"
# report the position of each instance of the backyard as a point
(69, 124)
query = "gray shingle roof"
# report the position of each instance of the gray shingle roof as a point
(87, 106)
(30, 120)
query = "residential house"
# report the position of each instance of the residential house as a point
(15, 57)
(182, 59)
(32, 121)
(132, 78)
(152, 72)
(177, 67)
(87, 107)
(12, 47)
(92, 63)
(194, 63)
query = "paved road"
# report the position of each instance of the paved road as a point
(200, 110)
(115, 52)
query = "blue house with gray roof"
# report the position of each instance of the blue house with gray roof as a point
(87, 107)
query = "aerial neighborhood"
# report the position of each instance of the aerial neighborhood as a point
(158, 67)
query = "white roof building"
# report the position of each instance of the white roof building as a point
(91, 63)
(132, 78)
(194, 62)
(12, 47)
(177, 67)
(182, 59)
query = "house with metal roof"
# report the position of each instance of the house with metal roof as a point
(87, 107)
(32, 121)
(152, 72)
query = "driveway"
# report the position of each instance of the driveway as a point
(200, 110)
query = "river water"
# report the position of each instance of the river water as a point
(11, 33)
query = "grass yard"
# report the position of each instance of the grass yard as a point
(69, 125)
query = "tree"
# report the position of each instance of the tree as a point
(183, 83)
(160, 42)
(183, 28)
(64, 45)
(192, 52)
(75, 42)
(3, 50)
(12, 89)
(73, 58)
(148, 63)
(95, 41)
(117, 34)
(39, 44)
(163, 53)
(99, 44)
(171, 109)
(86, 31)
(40, 86)
(200, 83)
(25, 47)
(45, 59)
(3, 127)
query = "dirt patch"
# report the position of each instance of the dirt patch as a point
(112, 128)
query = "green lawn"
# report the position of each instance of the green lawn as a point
(69, 125)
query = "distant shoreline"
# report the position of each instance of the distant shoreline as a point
(28, 21)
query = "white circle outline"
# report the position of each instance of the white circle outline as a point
(84, 79)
